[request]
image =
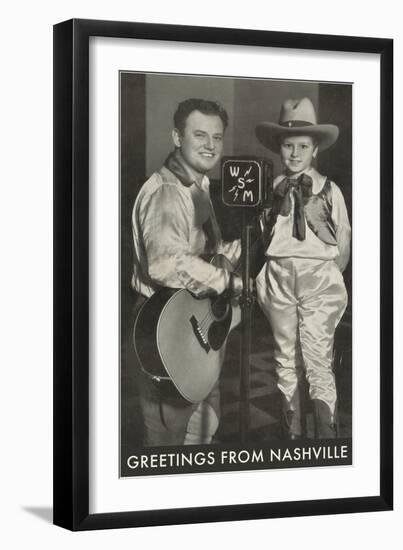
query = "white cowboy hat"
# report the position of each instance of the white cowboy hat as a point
(297, 117)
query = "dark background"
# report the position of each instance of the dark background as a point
(148, 102)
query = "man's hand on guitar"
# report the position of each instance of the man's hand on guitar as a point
(236, 285)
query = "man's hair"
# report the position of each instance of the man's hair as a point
(205, 107)
(282, 137)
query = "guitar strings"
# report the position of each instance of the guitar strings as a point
(203, 325)
(206, 321)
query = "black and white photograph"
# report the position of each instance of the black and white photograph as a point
(235, 273)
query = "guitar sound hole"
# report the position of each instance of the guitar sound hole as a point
(219, 308)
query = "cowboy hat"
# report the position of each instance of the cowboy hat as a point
(297, 118)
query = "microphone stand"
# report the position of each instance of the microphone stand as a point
(251, 191)
(246, 303)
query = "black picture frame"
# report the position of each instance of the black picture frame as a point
(71, 273)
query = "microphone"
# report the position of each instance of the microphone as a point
(247, 182)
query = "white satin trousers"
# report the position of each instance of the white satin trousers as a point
(304, 300)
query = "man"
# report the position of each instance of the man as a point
(173, 226)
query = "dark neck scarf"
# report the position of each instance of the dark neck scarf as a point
(176, 164)
(301, 189)
(204, 215)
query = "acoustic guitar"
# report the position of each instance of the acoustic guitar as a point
(182, 338)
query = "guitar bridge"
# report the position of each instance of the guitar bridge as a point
(199, 334)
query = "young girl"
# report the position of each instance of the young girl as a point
(301, 288)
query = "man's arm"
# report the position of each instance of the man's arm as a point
(165, 217)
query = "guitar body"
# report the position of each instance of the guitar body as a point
(182, 338)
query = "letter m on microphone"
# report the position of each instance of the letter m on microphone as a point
(241, 181)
